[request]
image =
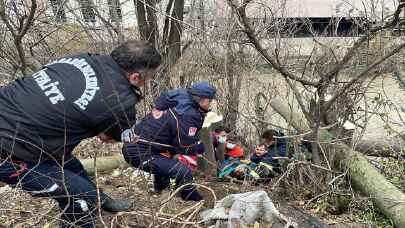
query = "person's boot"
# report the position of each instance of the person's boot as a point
(190, 194)
(159, 185)
(115, 205)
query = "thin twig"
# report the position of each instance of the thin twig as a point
(199, 205)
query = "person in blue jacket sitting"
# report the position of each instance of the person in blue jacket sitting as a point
(272, 147)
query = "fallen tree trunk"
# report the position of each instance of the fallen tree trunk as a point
(103, 163)
(380, 148)
(388, 198)
(363, 175)
(294, 117)
(299, 216)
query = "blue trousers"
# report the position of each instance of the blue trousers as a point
(164, 169)
(68, 185)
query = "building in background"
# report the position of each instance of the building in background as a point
(90, 12)
(318, 12)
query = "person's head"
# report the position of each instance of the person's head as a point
(232, 141)
(268, 137)
(138, 59)
(261, 150)
(106, 138)
(221, 133)
(203, 93)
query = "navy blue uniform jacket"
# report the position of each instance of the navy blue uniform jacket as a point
(175, 120)
(45, 115)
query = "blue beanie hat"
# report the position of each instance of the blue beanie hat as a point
(203, 90)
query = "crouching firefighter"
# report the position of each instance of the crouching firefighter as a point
(171, 128)
(43, 117)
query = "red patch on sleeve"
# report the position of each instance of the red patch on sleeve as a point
(192, 131)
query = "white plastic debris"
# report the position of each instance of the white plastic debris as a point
(116, 173)
(211, 118)
(244, 209)
(5, 188)
(349, 125)
(138, 173)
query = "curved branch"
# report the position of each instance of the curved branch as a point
(109, 25)
(29, 21)
(4, 18)
(353, 50)
(25, 24)
(242, 18)
(363, 74)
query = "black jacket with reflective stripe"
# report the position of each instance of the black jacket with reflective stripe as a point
(45, 115)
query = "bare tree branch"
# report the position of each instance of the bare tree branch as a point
(5, 19)
(242, 18)
(147, 21)
(25, 26)
(18, 34)
(120, 36)
(353, 50)
(167, 24)
(363, 74)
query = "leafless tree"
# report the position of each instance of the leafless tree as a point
(326, 79)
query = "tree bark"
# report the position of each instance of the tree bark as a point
(294, 117)
(220, 153)
(147, 20)
(209, 166)
(364, 176)
(173, 47)
(170, 43)
(18, 32)
(380, 148)
(234, 83)
(388, 198)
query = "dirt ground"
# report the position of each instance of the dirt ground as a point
(18, 209)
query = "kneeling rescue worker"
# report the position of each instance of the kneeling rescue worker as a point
(171, 128)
